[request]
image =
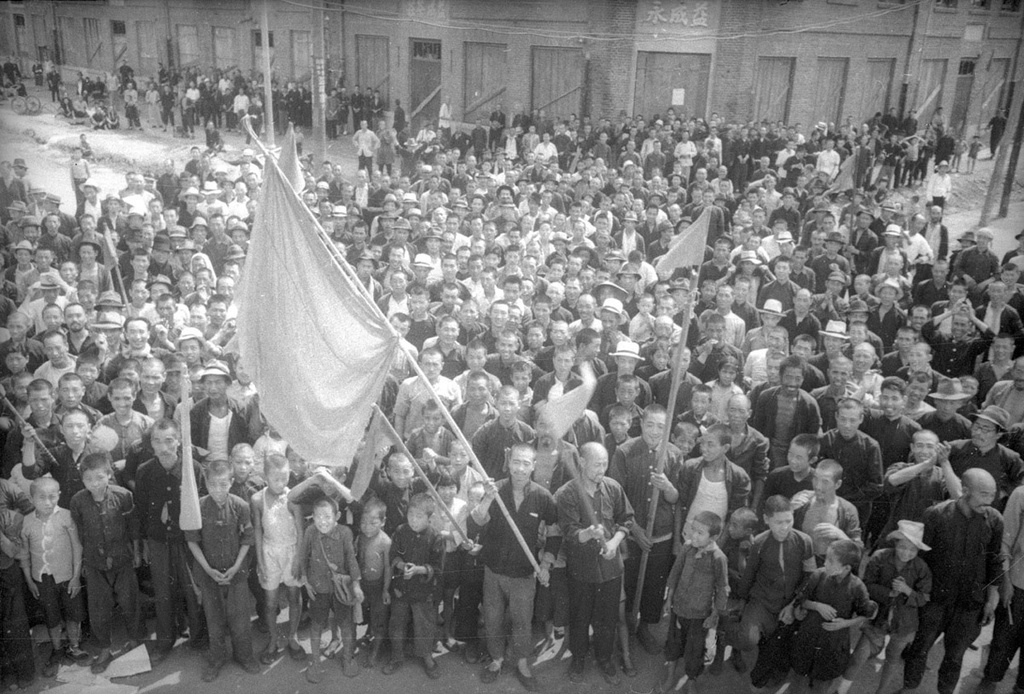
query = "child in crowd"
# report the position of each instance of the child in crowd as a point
(329, 568)
(900, 582)
(430, 443)
(51, 561)
(834, 600)
(698, 587)
(416, 555)
(245, 481)
(700, 413)
(471, 581)
(277, 527)
(619, 421)
(373, 552)
(684, 437)
(723, 388)
(736, 546)
(627, 390)
(796, 476)
(780, 560)
(131, 426)
(105, 516)
(17, 663)
(220, 549)
(396, 490)
(454, 551)
(972, 153)
(823, 515)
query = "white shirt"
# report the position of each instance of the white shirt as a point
(828, 161)
(685, 152)
(710, 496)
(940, 185)
(217, 442)
(545, 151)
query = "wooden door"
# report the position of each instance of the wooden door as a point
(877, 89)
(929, 89)
(659, 75)
(962, 95)
(424, 82)
(557, 87)
(774, 88)
(831, 89)
(485, 80)
(373, 63)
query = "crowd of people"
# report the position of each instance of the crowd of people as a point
(845, 439)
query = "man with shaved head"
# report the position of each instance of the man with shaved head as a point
(965, 535)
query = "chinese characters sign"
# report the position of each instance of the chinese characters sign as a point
(676, 15)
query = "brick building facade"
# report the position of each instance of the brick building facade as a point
(801, 61)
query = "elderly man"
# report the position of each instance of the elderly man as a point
(595, 517)
(634, 466)
(965, 536)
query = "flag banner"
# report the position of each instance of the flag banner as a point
(374, 446)
(555, 417)
(189, 515)
(288, 160)
(687, 249)
(844, 179)
(317, 349)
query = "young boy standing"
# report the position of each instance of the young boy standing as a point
(373, 551)
(51, 560)
(698, 588)
(105, 516)
(277, 527)
(327, 551)
(221, 549)
(416, 556)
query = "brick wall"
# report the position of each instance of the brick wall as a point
(610, 61)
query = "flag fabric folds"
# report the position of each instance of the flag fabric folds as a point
(844, 179)
(288, 160)
(375, 445)
(557, 416)
(687, 249)
(189, 515)
(316, 348)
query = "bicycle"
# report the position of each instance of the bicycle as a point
(26, 104)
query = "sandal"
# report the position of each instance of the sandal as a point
(331, 649)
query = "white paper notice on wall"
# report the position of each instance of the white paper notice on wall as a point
(678, 96)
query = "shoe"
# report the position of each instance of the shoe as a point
(529, 682)
(392, 667)
(431, 667)
(576, 672)
(251, 666)
(350, 667)
(610, 673)
(101, 662)
(270, 655)
(331, 649)
(737, 662)
(490, 675)
(297, 652)
(210, 672)
(314, 673)
(471, 654)
(77, 654)
(52, 664)
(628, 669)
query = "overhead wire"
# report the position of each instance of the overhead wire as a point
(555, 34)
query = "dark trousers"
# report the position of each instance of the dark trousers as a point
(259, 595)
(167, 117)
(467, 606)
(105, 589)
(958, 625)
(227, 610)
(424, 627)
(1007, 639)
(172, 589)
(366, 163)
(375, 612)
(593, 605)
(508, 599)
(686, 641)
(132, 114)
(15, 638)
(659, 564)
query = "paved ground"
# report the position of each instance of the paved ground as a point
(44, 141)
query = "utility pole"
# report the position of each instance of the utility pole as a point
(268, 90)
(319, 85)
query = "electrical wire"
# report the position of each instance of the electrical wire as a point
(608, 36)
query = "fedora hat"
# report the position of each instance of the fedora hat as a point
(950, 389)
(191, 191)
(912, 532)
(607, 290)
(995, 414)
(626, 348)
(89, 183)
(190, 333)
(836, 329)
(215, 369)
(772, 307)
(613, 305)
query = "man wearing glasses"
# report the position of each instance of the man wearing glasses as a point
(984, 451)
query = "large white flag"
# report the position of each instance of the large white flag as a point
(687, 249)
(317, 349)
